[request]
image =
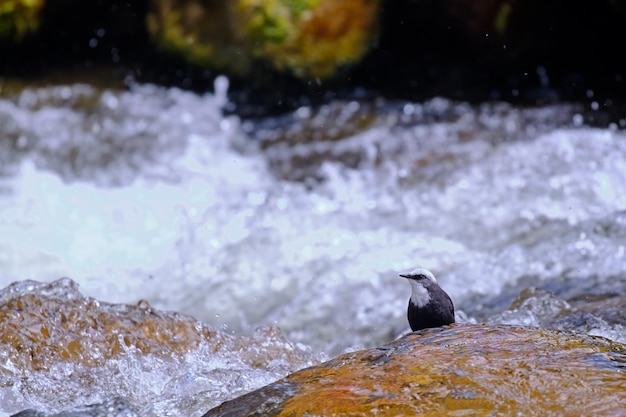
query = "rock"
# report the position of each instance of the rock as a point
(610, 309)
(602, 316)
(309, 39)
(457, 370)
(61, 350)
(44, 324)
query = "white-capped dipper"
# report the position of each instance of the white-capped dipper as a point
(429, 305)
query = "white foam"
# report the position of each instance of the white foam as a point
(199, 223)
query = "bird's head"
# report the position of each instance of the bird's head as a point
(420, 274)
(420, 279)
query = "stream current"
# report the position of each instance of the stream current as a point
(305, 221)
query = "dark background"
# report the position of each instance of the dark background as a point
(552, 51)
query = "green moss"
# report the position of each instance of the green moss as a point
(301, 6)
(307, 38)
(199, 32)
(18, 18)
(272, 21)
(502, 18)
(269, 25)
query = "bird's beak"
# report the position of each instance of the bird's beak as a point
(404, 276)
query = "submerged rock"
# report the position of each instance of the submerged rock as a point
(458, 370)
(60, 350)
(540, 308)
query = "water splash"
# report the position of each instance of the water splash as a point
(61, 350)
(169, 201)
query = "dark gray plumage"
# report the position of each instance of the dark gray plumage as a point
(429, 305)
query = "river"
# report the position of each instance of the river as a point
(305, 221)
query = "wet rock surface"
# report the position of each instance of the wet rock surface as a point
(60, 350)
(458, 370)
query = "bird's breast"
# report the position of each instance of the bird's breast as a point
(419, 294)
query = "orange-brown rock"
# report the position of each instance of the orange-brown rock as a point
(463, 370)
(40, 330)
(44, 324)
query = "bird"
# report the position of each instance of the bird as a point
(429, 305)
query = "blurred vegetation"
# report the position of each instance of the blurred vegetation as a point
(19, 18)
(309, 39)
(282, 54)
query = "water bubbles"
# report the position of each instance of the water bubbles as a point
(605, 189)
(578, 120)
(22, 142)
(110, 100)
(353, 106)
(532, 308)
(220, 89)
(281, 203)
(65, 92)
(616, 332)
(584, 246)
(186, 118)
(256, 198)
(236, 229)
(226, 124)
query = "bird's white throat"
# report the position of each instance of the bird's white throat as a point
(419, 294)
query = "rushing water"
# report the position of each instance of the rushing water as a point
(306, 221)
